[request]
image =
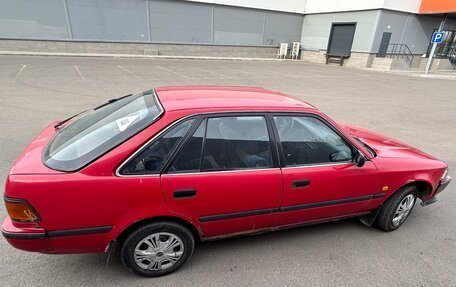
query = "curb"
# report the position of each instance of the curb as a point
(64, 54)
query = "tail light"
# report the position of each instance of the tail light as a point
(20, 210)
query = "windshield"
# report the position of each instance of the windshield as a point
(100, 130)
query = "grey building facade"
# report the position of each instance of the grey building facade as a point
(214, 28)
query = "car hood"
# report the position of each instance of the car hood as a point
(385, 146)
(30, 161)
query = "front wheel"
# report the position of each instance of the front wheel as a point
(397, 208)
(157, 249)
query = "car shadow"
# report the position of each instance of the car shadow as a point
(242, 245)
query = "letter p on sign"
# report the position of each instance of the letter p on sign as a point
(437, 37)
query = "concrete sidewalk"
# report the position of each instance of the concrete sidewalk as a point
(109, 55)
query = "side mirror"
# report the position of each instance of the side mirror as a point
(359, 159)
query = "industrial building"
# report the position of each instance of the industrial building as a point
(383, 34)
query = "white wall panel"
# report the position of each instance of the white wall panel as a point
(293, 6)
(405, 28)
(412, 6)
(326, 6)
(316, 29)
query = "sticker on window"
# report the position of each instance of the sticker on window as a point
(124, 123)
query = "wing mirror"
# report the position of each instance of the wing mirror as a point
(359, 160)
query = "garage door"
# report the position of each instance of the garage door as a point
(341, 39)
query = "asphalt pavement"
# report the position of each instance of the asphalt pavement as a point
(420, 111)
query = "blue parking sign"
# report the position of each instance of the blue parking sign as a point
(437, 37)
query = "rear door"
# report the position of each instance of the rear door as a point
(226, 175)
(319, 176)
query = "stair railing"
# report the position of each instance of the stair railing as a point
(400, 51)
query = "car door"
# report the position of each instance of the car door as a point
(226, 175)
(320, 180)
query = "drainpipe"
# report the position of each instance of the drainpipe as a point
(434, 46)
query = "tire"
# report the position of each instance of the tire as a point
(389, 218)
(157, 249)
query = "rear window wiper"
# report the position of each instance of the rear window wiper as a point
(111, 101)
(59, 124)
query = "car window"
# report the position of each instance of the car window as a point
(189, 158)
(236, 143)
(100, 130)
(153, 157)
(307, 140)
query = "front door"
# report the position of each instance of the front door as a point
(320, 180)
(225, 176)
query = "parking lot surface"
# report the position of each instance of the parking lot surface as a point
(420, 111)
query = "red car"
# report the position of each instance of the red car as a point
(154, 173)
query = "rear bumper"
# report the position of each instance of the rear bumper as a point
(35, 239)
(28, 239)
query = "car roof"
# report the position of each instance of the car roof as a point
(222, 98)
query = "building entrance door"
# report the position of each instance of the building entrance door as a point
(384, 43)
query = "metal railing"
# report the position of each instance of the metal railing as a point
(400, 51)
(452, 58)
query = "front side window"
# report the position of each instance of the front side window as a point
(100, 130)
(236, 143)
(307, 140)
(151, 159)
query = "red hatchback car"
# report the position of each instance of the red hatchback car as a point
(155, 172)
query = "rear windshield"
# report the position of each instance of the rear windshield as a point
(100, 130)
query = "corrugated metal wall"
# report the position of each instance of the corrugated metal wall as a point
(160, 21)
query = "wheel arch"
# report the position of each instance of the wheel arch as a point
(424, 188)
(195, 231)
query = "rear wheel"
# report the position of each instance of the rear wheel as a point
(397, 208)
(157, 249)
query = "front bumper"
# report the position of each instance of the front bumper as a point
(440, 187)
(443, 184)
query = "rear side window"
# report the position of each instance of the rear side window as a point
(236, 143)
(153, 157)
(226, 143)
(100, 130)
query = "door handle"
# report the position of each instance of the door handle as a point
(301, 183)
(183, 193)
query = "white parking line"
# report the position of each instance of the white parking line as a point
(19, 73)
(130, 72)
(220, 76)
(171, 71)
(79, 72)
